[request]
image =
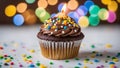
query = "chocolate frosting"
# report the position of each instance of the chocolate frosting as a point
(60, 27)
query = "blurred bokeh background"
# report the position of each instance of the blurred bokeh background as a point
(85, 12)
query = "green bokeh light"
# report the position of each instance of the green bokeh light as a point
(38, 11)
(30, 1)
(103, 14)
(94, 20)
(44, 16)
(94, 9)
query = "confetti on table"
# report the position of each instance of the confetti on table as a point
(85, 67)
(1, 48)
(42, 66)
(108, 45)
(32, 51)
(51, 63)
(92, 46)
(67, 61)
(96, 60)
(20, 65)
(29, 58)
(77, 59)
(38, 64)
(79, 64)
(76, 67)
(118, 54)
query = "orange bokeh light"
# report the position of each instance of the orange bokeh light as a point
(29, 17)
(21, 7)
(42, 3)
(72, 4)
(52, 2)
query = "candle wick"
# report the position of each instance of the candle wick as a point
(62, 11)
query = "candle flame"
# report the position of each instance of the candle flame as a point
(63, 11)
(64, 8)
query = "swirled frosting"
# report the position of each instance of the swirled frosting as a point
(60, 26)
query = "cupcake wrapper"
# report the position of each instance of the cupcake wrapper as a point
(59, 50)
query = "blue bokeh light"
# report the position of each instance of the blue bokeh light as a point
(18, 20)
(88, 4)
(84, 8)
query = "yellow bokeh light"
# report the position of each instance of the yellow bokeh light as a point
(29, 17)
(106, 2)
(10, 10)
(52, 2)
(83, 21)
(42, 3)
(21, 7)
(113, 6)
(72, 4)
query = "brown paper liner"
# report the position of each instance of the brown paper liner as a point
(59, 50)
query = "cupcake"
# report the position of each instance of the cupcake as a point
(60, 38)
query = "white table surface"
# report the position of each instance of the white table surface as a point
(25, 36)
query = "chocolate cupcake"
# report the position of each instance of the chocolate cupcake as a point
(60, 38)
